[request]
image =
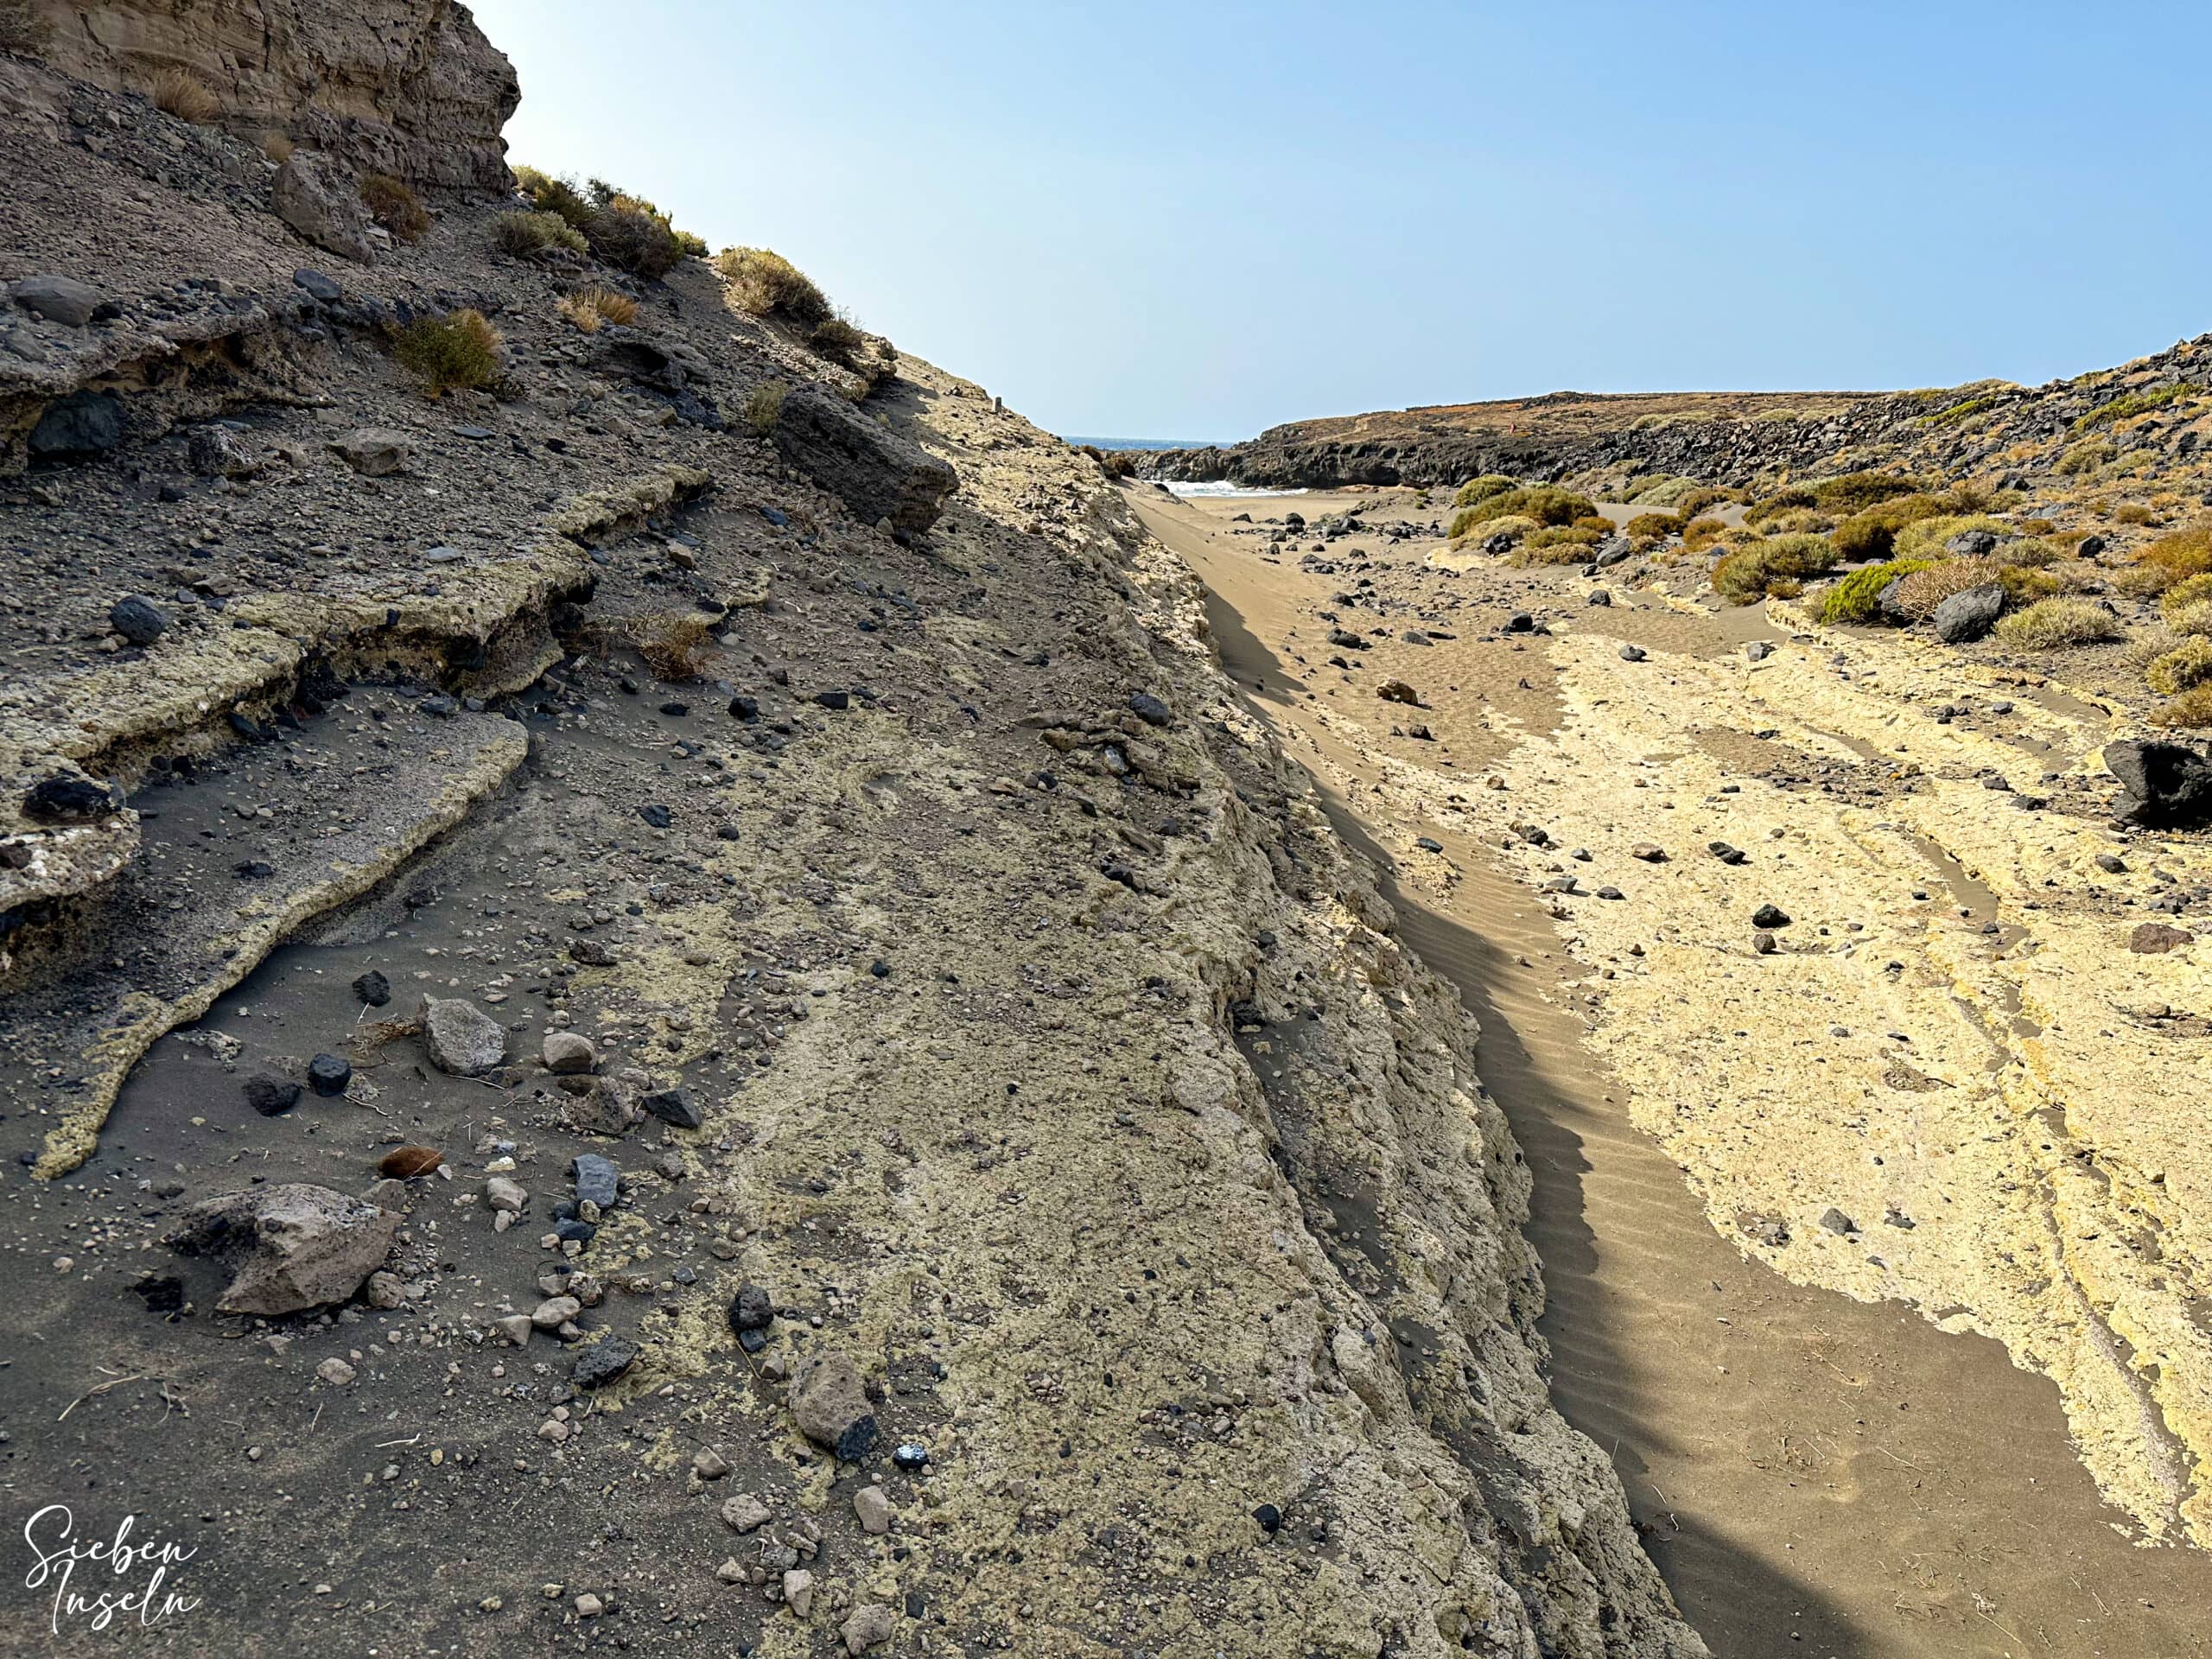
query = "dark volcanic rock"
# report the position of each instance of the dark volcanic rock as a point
(603, 1362)
(78, 427)
(2168, 785)
(874, 471)
(1967, 616)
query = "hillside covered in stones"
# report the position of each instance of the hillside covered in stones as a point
(652, 996)
(2149, 412)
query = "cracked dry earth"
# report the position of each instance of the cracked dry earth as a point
(1947, 1085)
(1044, 1054)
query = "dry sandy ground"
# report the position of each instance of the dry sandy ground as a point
(1952, 1055)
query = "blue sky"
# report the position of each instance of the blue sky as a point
(1196, 220)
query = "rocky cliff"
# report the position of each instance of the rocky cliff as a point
(407, 87)
(738, 994)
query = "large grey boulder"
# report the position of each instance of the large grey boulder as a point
(58, 299)
(374, 451)
(2168, 785)
(294, 1246)
(871, 469)
(319, 199)
(463, 1041)
(1968, 615)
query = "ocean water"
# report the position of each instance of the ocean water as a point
(1139, 443)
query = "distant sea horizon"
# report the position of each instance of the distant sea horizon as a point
(1141, 443)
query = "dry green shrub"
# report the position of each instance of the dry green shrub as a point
(2054, 624)
(1851, 492)
(1701, 533)
(1770, 565)
(1547, 504)
(840, 341)
(393, 206)
(673, 646)
(1924, 538)
(2133, 513)
(2179, 553)
(1654, 527)
(2086, 457)
(631, 239)
(459, 350)
(2190, 710)
(2187, 664)
(763, 283)
(526, 232)
(2187, 605)
(765, 406)
(559, 197)
(1919, 594)
(1858, 597)
(1476, 491)
(184, 95)
(1556, 544)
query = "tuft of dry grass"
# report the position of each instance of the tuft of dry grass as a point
(276, 146)
(588, 309)
(674, 648)
(579, 311)
(763, 283)
(184, 95)
(2055, 624)
(2187, 665)
(765, 406)
(459, 350)
(393, 206)
(1773, 565)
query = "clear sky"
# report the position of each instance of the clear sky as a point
(1194, 221)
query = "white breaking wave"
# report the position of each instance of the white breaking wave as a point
(1222, 487)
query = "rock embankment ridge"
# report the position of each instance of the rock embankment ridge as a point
(742, 994)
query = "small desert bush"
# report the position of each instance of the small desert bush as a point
(526, 232)
(1547, 504)
(764, 283)
(2187, 664)
(560, 197)
(185, 96)
(1775, 565)
(1924, 539)
(1594, 521)
(1856, 491)
(631, 239)
(393, 206)
(1858, 597)
(2191, 709)
(1782, 501)
(1514, 526)
(1871, 533)
(579, 313)
(1920, 592)
(2053, 624)
(2180, 553)
(2187, 605)
(459, 350)
(764, 407)
(276, 146)
(1653, 526)
(1695, 499)
(1556, 544)
(2134, 512)
(1701, 533)
(1476, 491)
(839, 340)
(1796, 521)
(2086, 457)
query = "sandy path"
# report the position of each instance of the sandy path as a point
(1814, 1473)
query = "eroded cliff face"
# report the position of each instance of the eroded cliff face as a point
(409, 87)
(896, 936)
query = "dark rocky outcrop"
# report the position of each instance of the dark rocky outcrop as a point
(871, 469)
(2167, 785)
(409, 87)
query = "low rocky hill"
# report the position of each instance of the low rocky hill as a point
(2147, 416)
